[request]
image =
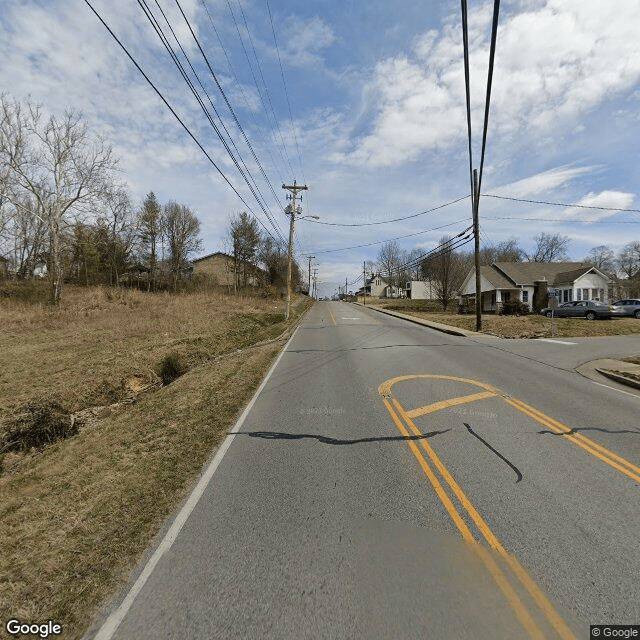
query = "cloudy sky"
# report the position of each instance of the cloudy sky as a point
(361, 101)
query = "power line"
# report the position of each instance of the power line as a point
(235, 118)
(238, 85)
(409, 235)
(286, 93)
(563, 220)
(414, 215)
(559, 204)
(156, 26)
(492, 55)
(255, 81)
(177, 117)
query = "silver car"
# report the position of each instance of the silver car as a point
(628, 307)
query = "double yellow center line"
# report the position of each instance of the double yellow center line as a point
(444, 485)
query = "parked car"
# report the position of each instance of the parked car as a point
(589, 309)
(629, 307)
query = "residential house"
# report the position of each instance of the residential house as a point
(221, 268)
(535, 283)
(377, 287)
(422, 290)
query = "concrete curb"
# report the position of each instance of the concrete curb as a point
(618, 378)
(425, 323)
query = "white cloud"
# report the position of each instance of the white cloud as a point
(305, 41)
(554, 62)
(543, 182)
(607, 199)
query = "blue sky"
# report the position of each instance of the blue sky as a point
(378, 126)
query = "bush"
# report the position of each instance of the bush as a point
(172, 367)
(30, 291)
(514, 308)
(36, 425)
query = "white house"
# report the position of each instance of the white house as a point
(421, 290)
(376, 286)
(533, 283)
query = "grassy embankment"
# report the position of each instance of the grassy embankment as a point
(76, 515)
(529, 326)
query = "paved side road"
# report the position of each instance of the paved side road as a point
(390, 481)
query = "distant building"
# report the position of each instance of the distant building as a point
(222, 268)
(421, 290)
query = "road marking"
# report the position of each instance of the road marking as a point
(112, 623)
(602, 453)
(395, 409)
(554, 341)
(333, 318)
(507, 589)
(444, 404)
(349, 318)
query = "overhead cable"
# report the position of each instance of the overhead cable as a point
(244, 173)
(409, 235)
(177, 117)
(560, 204)
(413, 215)
(235, 118)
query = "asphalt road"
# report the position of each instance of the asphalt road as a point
(391, 481)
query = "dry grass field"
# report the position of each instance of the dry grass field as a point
(76, 515)
(529, 326)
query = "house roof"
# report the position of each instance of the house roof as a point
(495, 278)
(211, 255)
(526, 273)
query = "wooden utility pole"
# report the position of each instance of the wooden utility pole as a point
(309, 288)
(476, 252)
(364, 279)
(292, 211)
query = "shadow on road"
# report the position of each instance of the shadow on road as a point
(276, 435)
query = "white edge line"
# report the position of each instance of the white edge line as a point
(112, 623)
(606, 386)
(553, 341)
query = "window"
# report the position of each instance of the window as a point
(585, 294)
(594, 294)
(525, 296)
(579, 294)
(493, 299)
(506, 296)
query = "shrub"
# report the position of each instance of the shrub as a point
(514, 308)
(172, 367)
(35, 425)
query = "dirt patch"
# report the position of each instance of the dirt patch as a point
(35, 425)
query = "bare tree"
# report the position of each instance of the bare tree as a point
(549, 248)
(446, 269)
(601, 257)
(505, 251)
(57, 163)
(118, 218)
(391, 260)
(182, 230)
(628, 260)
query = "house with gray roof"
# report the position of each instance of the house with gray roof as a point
(535, 283)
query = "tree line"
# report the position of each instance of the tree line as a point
(447, 268)
(61, 206)
(258, 257)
